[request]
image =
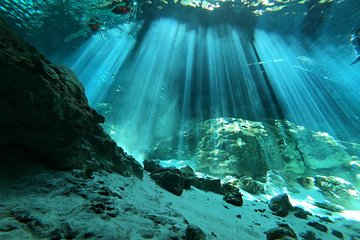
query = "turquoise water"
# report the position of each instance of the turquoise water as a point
(161, 67)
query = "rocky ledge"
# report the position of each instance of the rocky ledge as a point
(45, 113)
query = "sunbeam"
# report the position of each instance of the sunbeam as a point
(306, 83)
(175, 76)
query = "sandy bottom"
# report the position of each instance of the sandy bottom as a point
(45, 204)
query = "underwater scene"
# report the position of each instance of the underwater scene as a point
(180, 119)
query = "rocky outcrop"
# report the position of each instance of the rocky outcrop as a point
(336, 189)
(230, 146)
(44, 110)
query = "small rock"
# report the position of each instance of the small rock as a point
(329, 206)
(259, 210)
(300, 213)
(325, 219)
(194, 233)
(280, 205)
(234, 199)
(238, 216)
(281, 232)
(113, 213)
(308, 235)
(337, 234)
(318, 226)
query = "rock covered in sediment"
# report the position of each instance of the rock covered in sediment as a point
(234, 199)
(336, 189)
(337, 234)
(170, 179)
(329, 206)
(176, 180)
(301, 213)
(283, 231)
(194, 233)
(318, 226)
(45, 111)
(230, 146)
(309, 235)
(280, 205)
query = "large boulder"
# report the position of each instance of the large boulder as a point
(233, 146)
(170, 179)
(44, 110)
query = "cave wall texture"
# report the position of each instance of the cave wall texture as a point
(45, 111)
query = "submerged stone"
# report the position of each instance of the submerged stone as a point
(281, 232)
(170, 179)
(280, 205)
(329, 206)
(318, 226)
(194, 233)
(234, 199)
(337, 234)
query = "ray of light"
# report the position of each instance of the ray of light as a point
(307, 83)
(173, 76)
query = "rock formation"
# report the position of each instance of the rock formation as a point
(44, 111)
(229, 146)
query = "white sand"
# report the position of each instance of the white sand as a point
(146, 211)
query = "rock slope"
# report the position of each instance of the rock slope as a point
(43, 109)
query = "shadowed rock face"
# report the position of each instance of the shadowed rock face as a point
(44, 109)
